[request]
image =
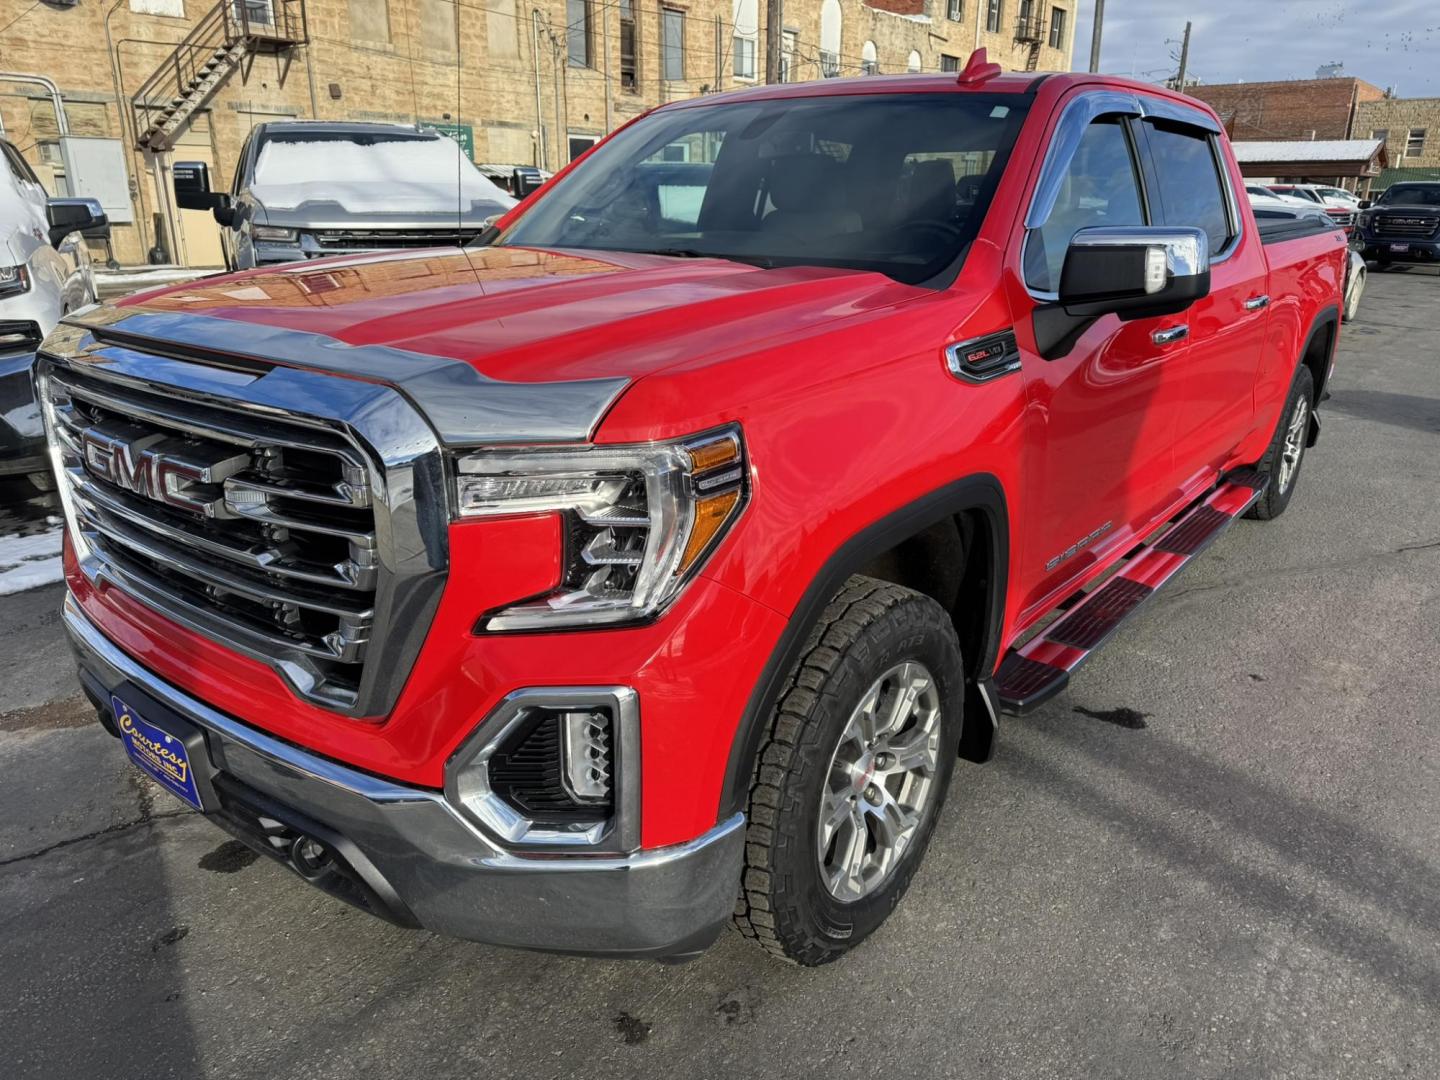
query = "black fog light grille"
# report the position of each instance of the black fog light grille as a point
(556, 767)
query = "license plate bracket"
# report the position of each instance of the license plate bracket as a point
(165, 747)
(1399, 247)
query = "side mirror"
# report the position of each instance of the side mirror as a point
(1365, 204)
(223, 210)
(1135, 272)
(192, 185)
(68, 216)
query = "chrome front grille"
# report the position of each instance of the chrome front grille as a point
(276, 534)
(1421, 227)
(371, 239)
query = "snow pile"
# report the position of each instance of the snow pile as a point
(32, 560)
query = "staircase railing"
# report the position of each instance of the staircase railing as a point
(259, 23)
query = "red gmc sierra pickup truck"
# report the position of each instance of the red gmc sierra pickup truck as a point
(647, 564)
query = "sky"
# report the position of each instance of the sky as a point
(1385, 42)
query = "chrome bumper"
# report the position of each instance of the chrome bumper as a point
(420, 863)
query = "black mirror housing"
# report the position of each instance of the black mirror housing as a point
(68, 216)
(223, 210)
(1365, 204)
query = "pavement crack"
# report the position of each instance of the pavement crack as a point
(1418, 547)
(108, 831)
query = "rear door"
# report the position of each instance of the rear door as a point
(1226, 330)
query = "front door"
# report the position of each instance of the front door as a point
(1103, 414)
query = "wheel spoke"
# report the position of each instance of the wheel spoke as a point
(864, 721)
(836, 810)
(912, 683)
(918, 752)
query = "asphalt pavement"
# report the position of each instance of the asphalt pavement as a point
(1216, 855)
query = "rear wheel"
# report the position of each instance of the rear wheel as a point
(1286, 453)
(853, 772)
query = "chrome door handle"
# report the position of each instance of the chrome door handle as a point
(1174, 333)
(1255, 303)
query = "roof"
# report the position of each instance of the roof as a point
(1356, 150)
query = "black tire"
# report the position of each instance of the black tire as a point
(1277, 493)
(868, 629)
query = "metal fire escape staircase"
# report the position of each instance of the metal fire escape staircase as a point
(227, 38)
(1030, 30)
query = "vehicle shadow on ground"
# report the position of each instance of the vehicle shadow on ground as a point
(1312, 842)
(1402, 410)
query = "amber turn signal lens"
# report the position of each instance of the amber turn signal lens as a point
(711, 455)
(710, 516)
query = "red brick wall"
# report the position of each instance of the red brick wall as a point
(1287, 110)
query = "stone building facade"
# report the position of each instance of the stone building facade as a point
(1410, 128)
(515, 83)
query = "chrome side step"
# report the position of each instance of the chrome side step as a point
(1038, 670)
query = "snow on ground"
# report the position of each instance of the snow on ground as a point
(27, 561)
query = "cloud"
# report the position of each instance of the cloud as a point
(1394, 43)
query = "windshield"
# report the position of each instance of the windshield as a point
(1413, 194)
(897, 183)
(374, 160)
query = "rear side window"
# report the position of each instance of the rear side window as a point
(1191, 192)
(1100, 189)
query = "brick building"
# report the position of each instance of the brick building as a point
(1295, 109)
(515, 83)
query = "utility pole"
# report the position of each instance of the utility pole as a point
(1184, 58)
(774, 35)
(1095, 34)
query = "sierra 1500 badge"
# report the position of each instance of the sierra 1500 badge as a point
(1078, 546)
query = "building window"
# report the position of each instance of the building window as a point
(830, 19)
(994, 12)
(913, 63)
(1057, 28)
(369, 20)
(579, 34)
(747, 32)
(628, 81)
(788, 40)
(869, 63)
(580, 143)
(672, 43)
(955, 11)
(1383, 134)
(949, 63)
(1415, 145)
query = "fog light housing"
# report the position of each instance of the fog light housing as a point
(554, 768)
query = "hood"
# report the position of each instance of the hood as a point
(389, 204)
(534, 327)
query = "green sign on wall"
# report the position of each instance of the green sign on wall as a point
(464, 134)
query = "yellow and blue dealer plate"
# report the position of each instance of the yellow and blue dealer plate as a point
(161, 755)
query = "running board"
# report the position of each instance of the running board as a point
(1038, 670)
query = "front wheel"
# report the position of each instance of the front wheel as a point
(1286, 452)
(852, 774)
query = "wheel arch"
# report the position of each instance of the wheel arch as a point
(1318, 352)
(975, 508)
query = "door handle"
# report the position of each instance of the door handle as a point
(1169, 335)
(1255, 303)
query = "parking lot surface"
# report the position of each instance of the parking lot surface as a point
(1216, 855)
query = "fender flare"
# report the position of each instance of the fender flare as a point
(1326, 317)
(980, 491)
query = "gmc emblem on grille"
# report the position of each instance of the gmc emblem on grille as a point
(177, 472)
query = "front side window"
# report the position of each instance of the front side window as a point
(1100, 188)
(672, 28)
(1191, 192)
(897, 184)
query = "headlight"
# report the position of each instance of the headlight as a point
(1364, 219)
(638, 520)
(13, 280)
(274, 232)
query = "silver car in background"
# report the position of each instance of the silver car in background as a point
(44, 273)
(305, 189)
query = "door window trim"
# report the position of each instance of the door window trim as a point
(1227, 192)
